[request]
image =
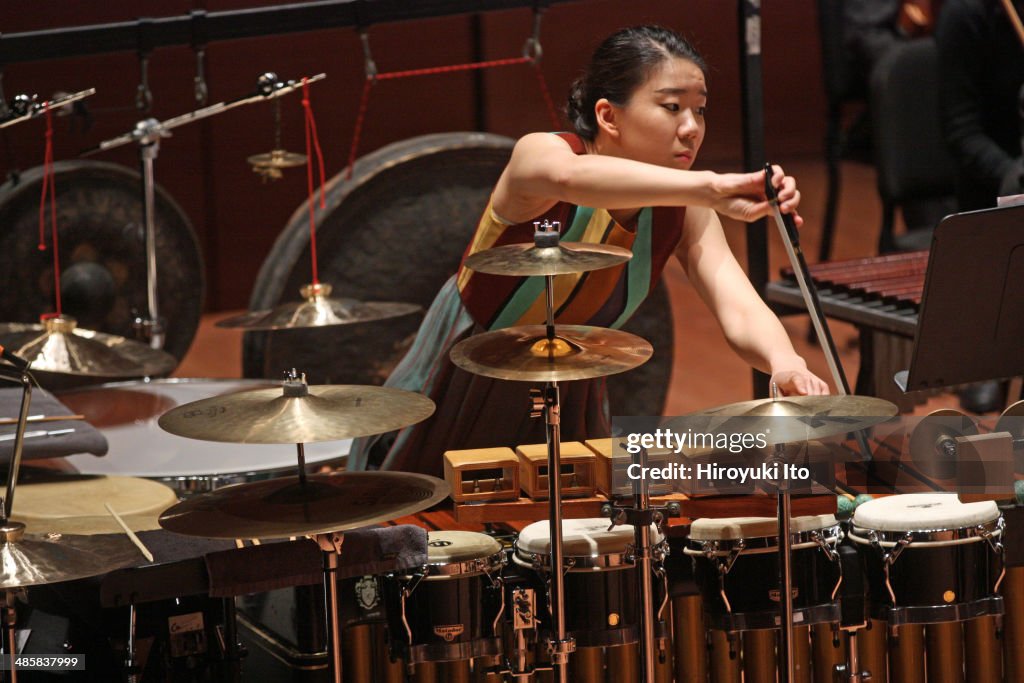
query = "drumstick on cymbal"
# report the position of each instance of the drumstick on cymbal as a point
(41, 418)
(131, 534)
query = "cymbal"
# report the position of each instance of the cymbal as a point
(566, 257)
(927, 438)
(577, 352)
(59, 346)
(284, 507)
(809, 417)
(316, 413)
(32, 559)
(269, 164)
(318, 309)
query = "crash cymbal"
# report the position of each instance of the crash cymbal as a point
(318, 310)
(808, 417)
(525, 354)
(280, 508)
(297, 413)
(59, 346)
(564, 258)
(34, 559)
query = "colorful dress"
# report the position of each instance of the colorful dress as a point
(479, 412)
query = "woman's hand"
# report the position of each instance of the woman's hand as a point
(799, 382)
(741, 195)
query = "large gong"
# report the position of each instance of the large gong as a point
(395, 232)
(102, 253)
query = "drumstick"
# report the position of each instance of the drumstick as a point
(131, 534)
(41, 418)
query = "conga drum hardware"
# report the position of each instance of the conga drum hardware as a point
(147, 134)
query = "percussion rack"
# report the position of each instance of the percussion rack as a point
(147, 134)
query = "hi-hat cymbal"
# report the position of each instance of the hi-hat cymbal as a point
(525, 354)
(59, 346)
(318, 309)
(791, 418)
(296, 413)
(32, 559)
(280, 508)
(566, 257)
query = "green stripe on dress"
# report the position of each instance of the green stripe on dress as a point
(638, 268)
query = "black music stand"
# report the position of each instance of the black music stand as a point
(971, 322)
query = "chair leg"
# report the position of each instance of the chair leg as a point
(833, 150)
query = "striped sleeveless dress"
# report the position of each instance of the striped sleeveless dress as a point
(479, 412)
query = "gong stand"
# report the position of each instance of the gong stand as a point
(147, 134)
(642, 515)
(25, 108)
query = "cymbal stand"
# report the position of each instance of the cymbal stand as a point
(642, 515)
(330, 544)
(147, 134)
(546, 405)
(785, 515)
(11, 531)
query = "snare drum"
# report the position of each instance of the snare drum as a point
(451, 609)
(127, 413)
(601, 585)
(736, 566)
(930, 558)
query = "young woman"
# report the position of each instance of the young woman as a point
(623, 178)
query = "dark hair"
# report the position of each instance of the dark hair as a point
(621, 63)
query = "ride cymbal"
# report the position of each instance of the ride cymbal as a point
(285, 507)
(809, 417)
(59, 346)
(525, 354)
(318, 310)
(297, 413)
(528, 259)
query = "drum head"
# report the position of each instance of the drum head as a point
(733, 528)
(102, 253)
(585, 538)
(451, 547)
(396, 231)
(923, 512)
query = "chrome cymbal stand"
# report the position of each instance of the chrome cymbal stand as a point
(546, 404)
(642, 515)
(149, 327)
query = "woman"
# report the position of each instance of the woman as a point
(638, 114)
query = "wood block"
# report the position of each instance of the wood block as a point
(482, 474)
(603, 450)
(578, 475)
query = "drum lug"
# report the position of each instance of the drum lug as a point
(524, 609)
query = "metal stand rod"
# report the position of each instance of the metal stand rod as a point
(562, 646)
(331, 598)
(642, 539)
(10, 617)
(302, 463)
(786, 670)
(130, 662)
(19, 441)
(150, 329)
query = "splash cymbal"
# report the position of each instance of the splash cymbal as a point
(564, 258)
(269, 164)
(285, 507)
(318, 309)
(297, 413)
(59, 346)
(791, 419)
(35, 559)
(525, 354)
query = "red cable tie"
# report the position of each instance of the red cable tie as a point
(546, 94)
(49, 183)
(452, 68)
(357, 132)
(312, 144)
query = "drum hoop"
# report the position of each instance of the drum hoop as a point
(489, 564)
(580, 563)
(758, 545)
(928, 537)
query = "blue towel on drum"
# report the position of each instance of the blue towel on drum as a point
(381, 550)
(46, 439)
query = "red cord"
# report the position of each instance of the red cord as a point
(312, 144)
(368, 84)
(49, 184)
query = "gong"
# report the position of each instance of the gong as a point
(396, 231)
(102, 253)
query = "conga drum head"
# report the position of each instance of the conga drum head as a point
(586, 543)
(396, 231)
(102, 254)
(923, 512)
(759, 533)
(451, 553)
